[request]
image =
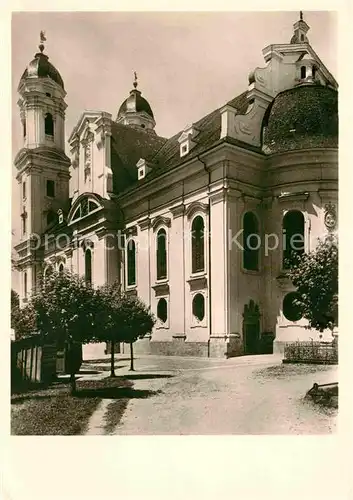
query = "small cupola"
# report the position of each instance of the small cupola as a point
(300, 30)
(136, 110)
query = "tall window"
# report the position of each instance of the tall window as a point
(197, 244)
(24, 190)
(131, 263)
(161, 254)
(24, 128)
(61, 268)
(49, 124)
(293, 240)
(251, 242)
(25, 289)
(88, 266)
(303, 72)
(24, 223)
(50, 189)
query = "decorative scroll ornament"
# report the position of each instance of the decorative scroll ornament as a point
(330, 216)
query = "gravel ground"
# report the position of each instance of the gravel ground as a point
(247, 395)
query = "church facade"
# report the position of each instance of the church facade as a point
(201, 225)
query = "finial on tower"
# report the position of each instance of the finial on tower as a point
(42, 39)
(301, 15)
(135, 79)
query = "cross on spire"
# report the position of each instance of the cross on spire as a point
(135, 79)
(42, 38)
(301, 15)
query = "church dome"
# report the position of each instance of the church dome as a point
(135, 103)
(302, 117)
(40, 67)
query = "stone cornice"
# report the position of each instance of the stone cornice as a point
(130, 231)
(161, 289)
(294, 196)
(178, 210)
(144, 223)
(160, 221)
(195, 207)
(218, 196)
(197, 283)
(217, 153)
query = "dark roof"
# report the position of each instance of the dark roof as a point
(302, 117)
(40, 67)
(209, 128)
(128, 145)
(137, 103)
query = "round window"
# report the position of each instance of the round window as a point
(290, 309)
(162, 310)
(198, 306)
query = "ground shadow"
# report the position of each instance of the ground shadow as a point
(88, 372)
(143, 376)
(105, 360)
(116, 393)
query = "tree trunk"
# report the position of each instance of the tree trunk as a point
(131, 357)
(112, 367)
(73, 383)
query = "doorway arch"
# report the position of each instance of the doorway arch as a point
(251, 328)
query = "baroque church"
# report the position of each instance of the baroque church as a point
(198, 225)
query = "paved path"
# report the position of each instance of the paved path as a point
(247, 395)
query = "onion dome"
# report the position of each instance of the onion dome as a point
(302, 117)
(40, 67)
(135, 103)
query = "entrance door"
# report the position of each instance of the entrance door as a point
(251, 328)
(252, 337)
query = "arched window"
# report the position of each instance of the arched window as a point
(290, 309)
(49, 124)
(251, 242)
(25, 289)
(61, 268)
(161, 254)
(24, 128)
(303, 72)
(131, 263)
(88, 266)
(198, 306)
(162, 310)
(197, 244)
(293, 240)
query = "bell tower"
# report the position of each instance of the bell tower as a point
(42, 165)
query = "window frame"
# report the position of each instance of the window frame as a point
(160, 278)
(284, 267)
(90, 251)
(130, 285)
(49, 124)
(195, 271)
(50, 182)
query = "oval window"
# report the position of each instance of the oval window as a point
(162, 310)
(290, 309)
(198, 306)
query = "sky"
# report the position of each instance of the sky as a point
(188, 63)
